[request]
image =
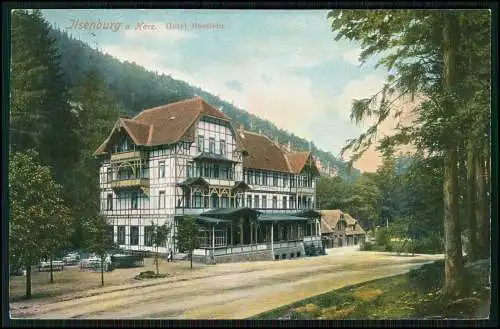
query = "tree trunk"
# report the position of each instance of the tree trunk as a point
(191, 257)
(51, 271)
(453, 286)
(470, 203)
(454, 267)
(487, 204)
(102, 271)
(483, 209)
(28, 280)
(156, 261)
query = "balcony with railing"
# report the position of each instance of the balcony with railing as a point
(130, 183)
(133, 155)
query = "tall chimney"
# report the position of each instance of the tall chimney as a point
(289, 147)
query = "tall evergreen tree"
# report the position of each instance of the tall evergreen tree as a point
(40, 114)
(424, 53)
(96, 113)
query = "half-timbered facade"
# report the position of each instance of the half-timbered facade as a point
(252, 198)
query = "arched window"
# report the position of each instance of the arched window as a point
(224, 201)
(197, 200)
(215, 200)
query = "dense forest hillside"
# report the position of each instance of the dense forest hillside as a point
(134, 88)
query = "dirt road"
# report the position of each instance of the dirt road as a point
(229, 291)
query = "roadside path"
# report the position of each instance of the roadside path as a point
(228, 291)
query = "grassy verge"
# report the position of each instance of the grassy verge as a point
(73, 280)
(414, 295)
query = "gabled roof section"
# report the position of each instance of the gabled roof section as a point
(138, 132)
(262, 152)
(350, 220)
(166, 124)
(171, 122)
(298, 161)
(325, 228)
(330, 218)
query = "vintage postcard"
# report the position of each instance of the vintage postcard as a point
(249, 164)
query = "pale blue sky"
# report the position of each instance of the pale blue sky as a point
(284, 66)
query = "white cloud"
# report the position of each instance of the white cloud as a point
(356, 89)
(284, 98)
(351, 56)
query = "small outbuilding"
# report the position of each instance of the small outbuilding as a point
(340, 229)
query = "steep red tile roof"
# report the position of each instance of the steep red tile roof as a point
(166, 124)
(139, 132)
(263, 153)
(297, 160)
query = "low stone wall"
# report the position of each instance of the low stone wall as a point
(289, 252)
(315, 243)
(235, 258)
(245, 257)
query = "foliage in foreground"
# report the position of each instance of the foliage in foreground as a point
(39, 220)
(415, 295)
(150, 275)
(396, 239)
(187, 236)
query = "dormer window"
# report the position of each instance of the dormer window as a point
(124, 145)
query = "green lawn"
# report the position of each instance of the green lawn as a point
(415, 295)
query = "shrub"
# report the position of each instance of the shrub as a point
(382, 237)
(149, 275)
(429, 277)
(309, 310)
(367, 294)
(429, 245)
(367, 246)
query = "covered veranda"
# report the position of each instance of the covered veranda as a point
(239, 230)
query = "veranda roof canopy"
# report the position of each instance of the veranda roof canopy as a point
(231, 213)
(309, 213)
(212, 157)
(242, 185)
(212, 220)
(192, 181)
(280, 217)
